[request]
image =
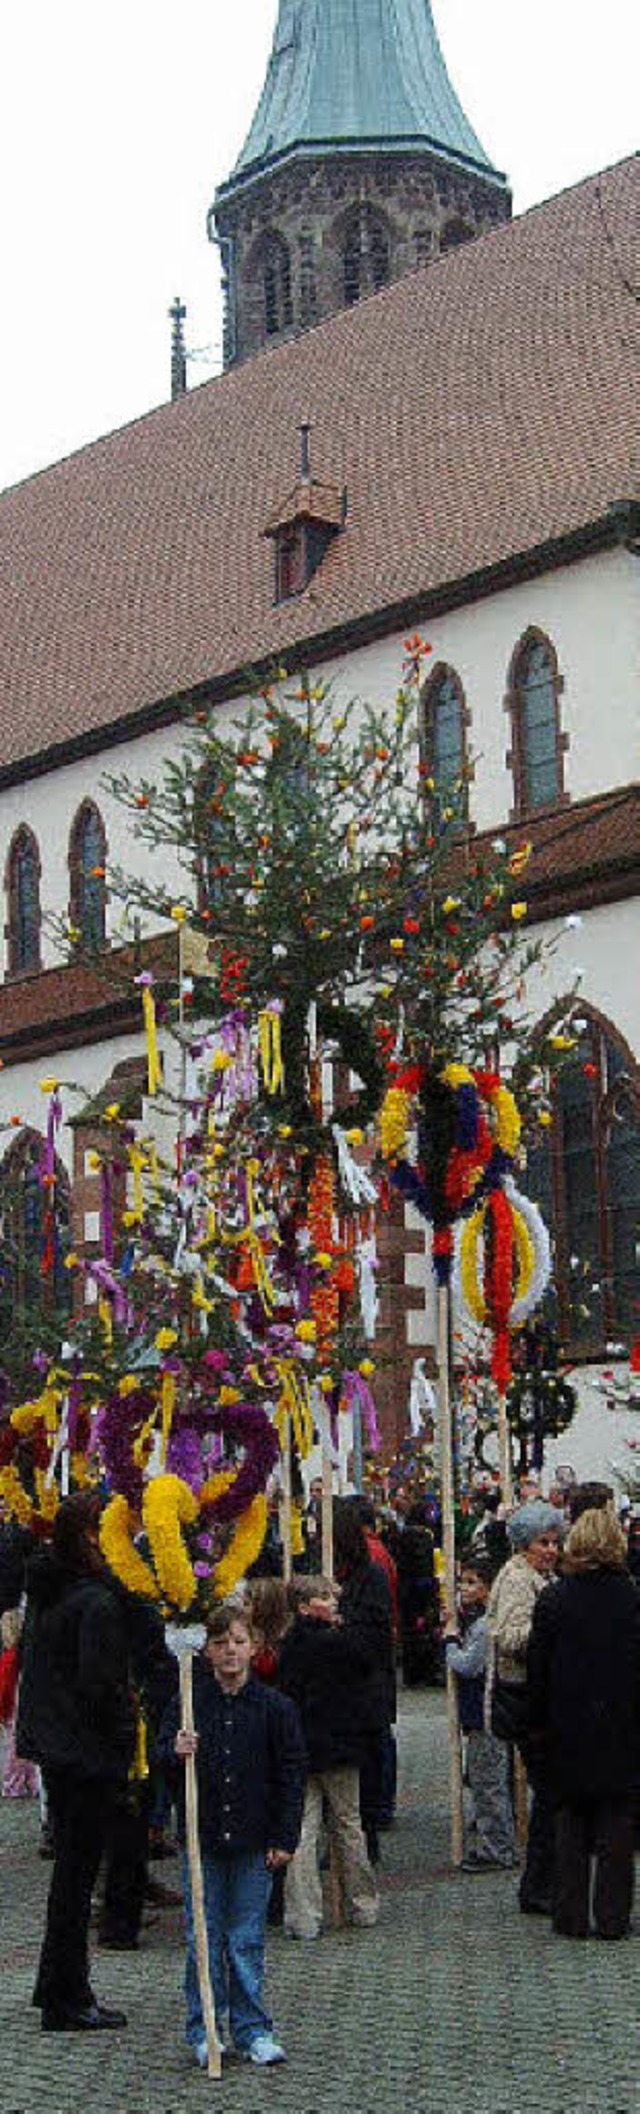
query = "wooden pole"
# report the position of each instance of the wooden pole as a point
(449, 1554)
(521, 1801)
(214, 2059)
(285, 1509)
(504, 1451)
(327, 1510)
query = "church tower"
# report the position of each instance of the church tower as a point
(359, 166)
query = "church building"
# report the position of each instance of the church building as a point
(428, 418)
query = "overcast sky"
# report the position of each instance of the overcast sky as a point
(121, 116)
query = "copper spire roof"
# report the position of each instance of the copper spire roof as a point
(357, 74)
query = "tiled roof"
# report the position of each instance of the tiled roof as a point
(581, 855)
(479, 408)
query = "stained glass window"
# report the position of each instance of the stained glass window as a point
(536, 745)
(23, 876)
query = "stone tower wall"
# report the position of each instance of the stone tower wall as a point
(421, 207)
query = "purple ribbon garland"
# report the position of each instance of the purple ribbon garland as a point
(357, 1394)
(105, 1278)
(106, 1211)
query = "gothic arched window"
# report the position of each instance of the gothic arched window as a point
(214, 839)
(443, 739)
(454, 233)
(537, 743)
(34, 1218)
(87, 854)
(366, 254)
(23, 901)
(585, 1174)
(276, 280)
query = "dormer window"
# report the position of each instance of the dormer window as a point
(303, 528)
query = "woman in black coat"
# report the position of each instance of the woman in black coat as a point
(367, 1620)
(584, 1710)
(76, 1719)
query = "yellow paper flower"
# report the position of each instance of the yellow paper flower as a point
(367, 1368)
(165, 1339)
(168, 1505)
(306, 1331)
(545, 1118)
(355, 1137)
(450, 904)
(518, 911)
(397, 944)
(229, 1395)
(394, 1121)
(128, 1385)
(178, 913)
(112, 1112)
(49, 1086)
(118, 1548)
(244, 1547)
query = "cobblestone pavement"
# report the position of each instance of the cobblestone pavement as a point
(454, 2005)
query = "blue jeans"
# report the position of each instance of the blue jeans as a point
(236, 1898)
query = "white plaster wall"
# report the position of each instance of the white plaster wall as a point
(85, 1069)
(591, 613)
(590, 610)
(599, 953)
(595, 1444)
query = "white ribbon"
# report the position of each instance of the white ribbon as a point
(354, 1179)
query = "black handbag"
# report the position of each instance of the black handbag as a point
(509, 1711)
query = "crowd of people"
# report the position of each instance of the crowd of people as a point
(293, 1732)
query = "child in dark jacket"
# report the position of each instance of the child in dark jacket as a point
(251, 1771)
(487, 1757)
(326, 1672)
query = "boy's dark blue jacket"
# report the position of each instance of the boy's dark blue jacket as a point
(251, 1766)
(469, 1662)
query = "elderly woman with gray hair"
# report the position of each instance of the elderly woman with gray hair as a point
(535, 1533)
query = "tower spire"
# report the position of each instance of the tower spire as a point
(360, 163)
(358, 74)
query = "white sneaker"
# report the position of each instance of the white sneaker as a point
(265, 2050)
(201, 2053)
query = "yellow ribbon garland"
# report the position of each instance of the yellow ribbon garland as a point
(154, 1069)
(294, 1404)
(139, 1770)
(137, 1160)
(525, 1262)
(167, 1403)
(270, 1044)
(106, 1317)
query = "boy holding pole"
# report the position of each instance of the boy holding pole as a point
(251, 1770)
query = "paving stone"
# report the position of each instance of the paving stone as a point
(455, 2004)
